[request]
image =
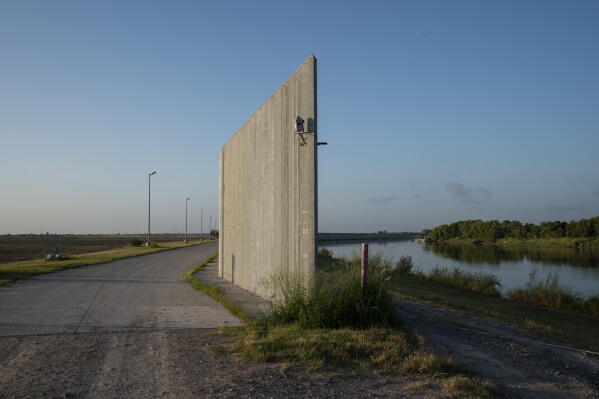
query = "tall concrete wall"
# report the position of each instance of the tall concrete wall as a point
(267, 194)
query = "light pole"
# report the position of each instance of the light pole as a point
(186, 218)
(202, 224)
(149, 176)
(210, 228)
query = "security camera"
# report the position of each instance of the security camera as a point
(299, 125)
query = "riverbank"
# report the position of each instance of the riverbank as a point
(575, 329)
(327, 237)
(477, 293)
(566, 242)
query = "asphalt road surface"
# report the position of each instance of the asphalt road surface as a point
(146, 292)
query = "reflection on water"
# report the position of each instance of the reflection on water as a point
(578, 268)
(495, 255)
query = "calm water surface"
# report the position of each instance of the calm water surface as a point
(577, 269)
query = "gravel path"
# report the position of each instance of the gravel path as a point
(171, 364)
(178, 363)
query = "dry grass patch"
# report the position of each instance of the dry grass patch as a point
(379, 350)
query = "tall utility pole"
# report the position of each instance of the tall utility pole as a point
(149, 176)
(202, 224)
(186, 218)
(210, 232)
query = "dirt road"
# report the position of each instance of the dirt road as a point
(522, 365)
(171, 364)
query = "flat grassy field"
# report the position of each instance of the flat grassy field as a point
(76, 251)
(27, 247)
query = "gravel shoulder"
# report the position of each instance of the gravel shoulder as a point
(169, 364)
(522, 365)
(179, 363)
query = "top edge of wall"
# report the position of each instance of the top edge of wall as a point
(310, 60)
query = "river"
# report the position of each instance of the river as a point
(578, 269)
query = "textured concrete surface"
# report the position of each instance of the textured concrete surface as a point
(268, 199)
(146, 292)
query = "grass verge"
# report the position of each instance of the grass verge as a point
(13, 271)
(374, 349)
(578, 330)
(213, 291)
(552, 293)
(544, 307)
(335, 324)
(480, 282)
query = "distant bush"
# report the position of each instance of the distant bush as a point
(325, 253)
(136, 242)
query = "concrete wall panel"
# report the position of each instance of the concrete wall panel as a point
(267, 189)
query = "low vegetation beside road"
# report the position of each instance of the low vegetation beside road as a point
(540, 306)
(299, 333)
(81, 251)
(337, 324)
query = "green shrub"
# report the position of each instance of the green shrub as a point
(404, 265)
(325, 253)
(136, 242)
(335, 300)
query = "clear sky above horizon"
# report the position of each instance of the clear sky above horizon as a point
(434, 111)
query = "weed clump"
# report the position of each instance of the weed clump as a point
(404, 265)
(462, 386)
(480, 282)
(325, 253)
(552, 293)
(378, 349)
(335, 300)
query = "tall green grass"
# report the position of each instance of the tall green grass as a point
(335, 299)
(480, 282)
(334, 322)
(550, 292)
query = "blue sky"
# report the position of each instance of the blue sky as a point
(434, 111)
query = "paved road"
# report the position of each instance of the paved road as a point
(146, 292)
